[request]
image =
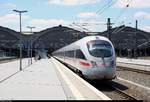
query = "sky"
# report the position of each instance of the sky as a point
(83, 15)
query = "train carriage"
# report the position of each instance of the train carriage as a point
(92, 56)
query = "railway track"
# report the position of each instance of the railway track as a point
(134, 70)
(120, 92)
(138, 91)
(135, 75)
(114, 90)
(7, 60)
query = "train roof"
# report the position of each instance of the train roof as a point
(78, 43)
(87, 38)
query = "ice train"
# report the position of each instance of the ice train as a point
(92, 57)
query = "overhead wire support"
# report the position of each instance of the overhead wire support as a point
(136, 28)
(109, 28)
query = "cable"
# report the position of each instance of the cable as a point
(105, 7)
(76, 28)
(102, 7)
(81, 27)
(100, 11)
(122, 12)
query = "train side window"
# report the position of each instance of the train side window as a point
(69, 53)
(72, 54)
(79, 54)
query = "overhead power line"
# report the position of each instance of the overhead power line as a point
(100, 11)
(124, 9)
(105, 7)
(81, 27)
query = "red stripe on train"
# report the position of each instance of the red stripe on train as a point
(85, 63)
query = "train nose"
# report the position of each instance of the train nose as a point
(101, 70)
(94, 74)
(100, 73)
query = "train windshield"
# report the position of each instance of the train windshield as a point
(99, 48)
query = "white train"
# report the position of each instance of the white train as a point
(92, 56)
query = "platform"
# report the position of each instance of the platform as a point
(141, 64)
(44, 80)
(39, 81)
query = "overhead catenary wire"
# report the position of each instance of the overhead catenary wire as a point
(109, 4)
(105, 7)
(76, 28)
(120, 14)
(124, 9)
(127, 5)
(83, 28)
(99, 12)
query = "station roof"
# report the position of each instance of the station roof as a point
(9, 38)
(125, 37)
(56, 37)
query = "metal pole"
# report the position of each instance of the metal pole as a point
(30, 41)
(28, 55)
(20, 44)
(31, 53)
(108, 28)
(20, 41)
(31, 47)
(136, 27)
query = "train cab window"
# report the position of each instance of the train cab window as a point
(79, 54)
(100, 48)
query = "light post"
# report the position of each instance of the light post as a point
(30, 41)
(20, 37)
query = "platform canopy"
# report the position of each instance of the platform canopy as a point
(55, 38)
(10, 38)
(125, 37)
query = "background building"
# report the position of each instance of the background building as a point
(127, 41)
